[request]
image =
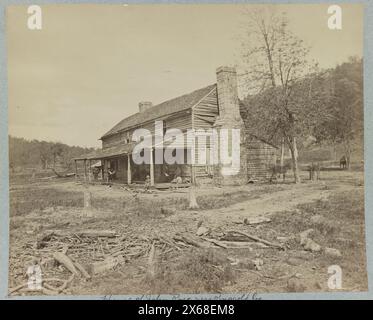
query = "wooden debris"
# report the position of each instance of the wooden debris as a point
(66, 262)
(256, 220)
(151, 261)
(190, 241)
(271, 244)
(97, 233)
(103, 266)
(82, 270)
(241, 245)
(170, 243)
(216, 242)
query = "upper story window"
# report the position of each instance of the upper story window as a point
(125, 137)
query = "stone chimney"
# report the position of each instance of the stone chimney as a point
(144, 105)
(230, 118)
(227, 93)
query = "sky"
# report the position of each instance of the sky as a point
(90, 65)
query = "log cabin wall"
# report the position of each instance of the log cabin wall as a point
(261, 157)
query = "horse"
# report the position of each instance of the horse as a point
(278, 170)
(314, 170)
(343, 162)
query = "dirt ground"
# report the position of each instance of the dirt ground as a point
(151, 250)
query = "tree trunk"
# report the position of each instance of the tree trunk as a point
(294, 158)
(192, 194)
(348, 155)
(192, 198)
(282, 153)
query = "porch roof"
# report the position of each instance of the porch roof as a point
(108, 152)
(127, 148)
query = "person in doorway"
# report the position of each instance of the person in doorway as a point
(95, 171)
(110, 175)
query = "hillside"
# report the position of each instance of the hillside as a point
(33, 154)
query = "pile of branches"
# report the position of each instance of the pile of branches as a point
(65, 257)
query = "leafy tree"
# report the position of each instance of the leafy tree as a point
(24, 153)
(343, 122)
(278, 74)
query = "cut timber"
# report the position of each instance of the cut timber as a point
(243, 244)
(256, 220)
(152, 261)
(103, 266)
(82, 270)
(216, 242)
(271, 244)
(47, 236)
(190, 241)
(96, 233)
(66, 262)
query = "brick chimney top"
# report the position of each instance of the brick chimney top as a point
(227, 93)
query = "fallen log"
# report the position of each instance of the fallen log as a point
(84, 233)
(256, 220)
(107, 264)
(66, 262)
(82, 270)
(268, 243)
(97, 233)
(243, 244)
(216, 242)
(190, 241)
(171, 244)
(151, 270)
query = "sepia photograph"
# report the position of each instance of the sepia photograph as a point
(170, 149)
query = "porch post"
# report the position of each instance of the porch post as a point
(85, 170)
(76, 170)
(90, 170)
(102, 170)
(129, 169)
(151, 168)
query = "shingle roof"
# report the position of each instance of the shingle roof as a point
(108, 152)
(127, 148)
(181, 103)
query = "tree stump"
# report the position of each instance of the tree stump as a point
(87, 203)
(192, 198)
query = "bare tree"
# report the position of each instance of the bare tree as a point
(276, 61)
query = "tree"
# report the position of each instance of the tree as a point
(45, 154)
(57, 150)
(24, 153)
(344, 121)
(278, 75)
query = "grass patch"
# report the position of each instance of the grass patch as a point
(24, 201)
(197, 271)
